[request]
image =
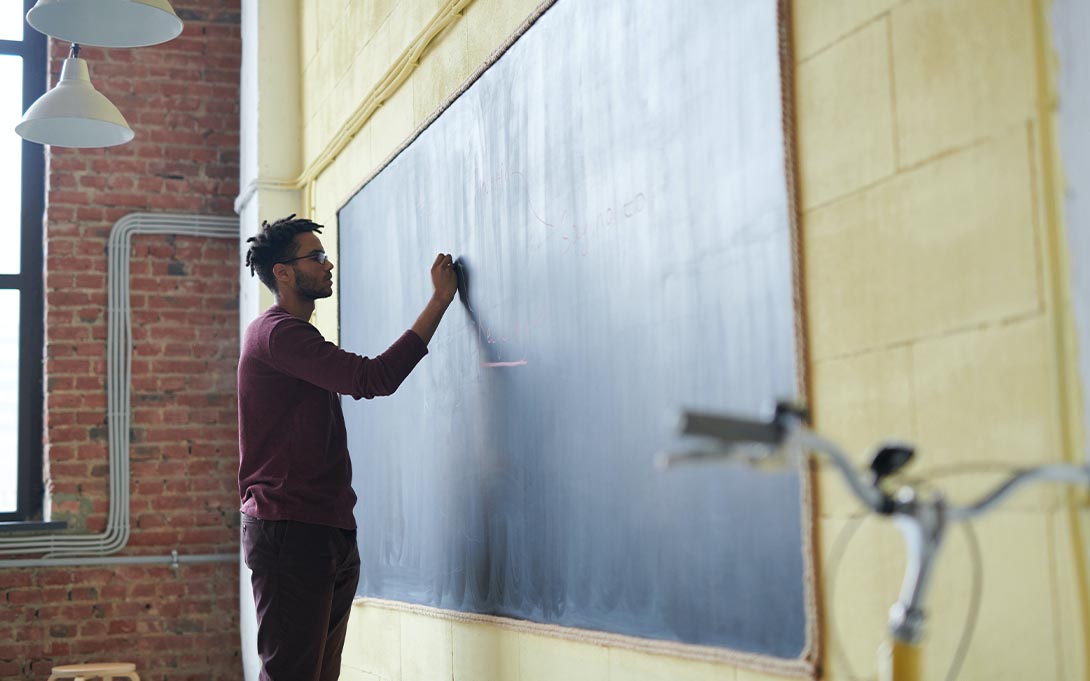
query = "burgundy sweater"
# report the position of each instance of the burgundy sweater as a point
(293, 449)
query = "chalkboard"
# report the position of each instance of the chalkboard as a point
(614, 185)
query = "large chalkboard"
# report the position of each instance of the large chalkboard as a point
(615, 186)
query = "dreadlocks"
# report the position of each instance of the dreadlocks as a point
(275, 244)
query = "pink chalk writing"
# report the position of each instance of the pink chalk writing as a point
(492, 365)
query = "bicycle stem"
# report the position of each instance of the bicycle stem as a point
(922, 525)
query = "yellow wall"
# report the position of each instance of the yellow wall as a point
(934, 289)
(934, 279)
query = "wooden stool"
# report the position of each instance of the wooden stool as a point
(105, 670)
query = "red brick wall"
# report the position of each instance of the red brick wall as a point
(181, 98)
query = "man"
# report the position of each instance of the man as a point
(295, 476)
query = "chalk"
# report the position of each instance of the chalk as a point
(461, 271)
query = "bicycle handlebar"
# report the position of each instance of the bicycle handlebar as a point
(784, 437)
(781, 439)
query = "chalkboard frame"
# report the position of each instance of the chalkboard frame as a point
(808, 664)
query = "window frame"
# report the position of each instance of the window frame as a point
(33, 49)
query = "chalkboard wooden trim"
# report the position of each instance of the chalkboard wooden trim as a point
(814, 605)
(801, 667)
(809, 663)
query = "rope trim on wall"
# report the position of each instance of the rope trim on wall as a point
(808, 469)
(601, 638)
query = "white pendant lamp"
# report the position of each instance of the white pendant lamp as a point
(74, 113)
(106, 23)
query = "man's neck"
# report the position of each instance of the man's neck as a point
(302, 308)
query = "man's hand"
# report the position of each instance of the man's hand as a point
(444, 278)
(445, 281)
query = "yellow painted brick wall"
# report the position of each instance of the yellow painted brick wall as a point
(930, 288)
(934, 315)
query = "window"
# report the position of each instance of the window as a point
(23, 79)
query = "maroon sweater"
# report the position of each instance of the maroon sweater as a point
(293, 449)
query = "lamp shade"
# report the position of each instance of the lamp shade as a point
(74, 114)
(106, 23)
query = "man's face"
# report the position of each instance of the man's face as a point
(313, 280)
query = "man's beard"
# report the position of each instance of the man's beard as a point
(311, 287)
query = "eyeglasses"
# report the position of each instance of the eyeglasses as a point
(318, 256)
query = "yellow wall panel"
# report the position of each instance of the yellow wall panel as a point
(444, 67)
(747, 675)
(630, 665)
(1015, 635)
(543, 658)
(949, 602)
(964, 70)
(353, 674)
(866, 399)
(485, 653)
(358, 154)
(346, 41)
(1067, 555)
(373, 641)
(863, 562)
(308, 31)
(371, 50)
(329, 12)
(491, 22)
(986, 397)
(365, 18)
(845, 142)
(392, 124)
(427, 649)
(821, 24)
(944, 246)
(322, 74)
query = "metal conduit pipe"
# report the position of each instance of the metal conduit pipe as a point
(174, 560)
(59, 547)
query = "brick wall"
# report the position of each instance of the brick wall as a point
(182, 100)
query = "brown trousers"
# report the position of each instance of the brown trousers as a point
(304, 579)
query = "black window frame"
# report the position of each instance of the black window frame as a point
(33, 48)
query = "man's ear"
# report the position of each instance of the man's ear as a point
(281, 272)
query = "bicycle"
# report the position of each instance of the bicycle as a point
(780, 440)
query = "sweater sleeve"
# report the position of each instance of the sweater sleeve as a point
(299, 350)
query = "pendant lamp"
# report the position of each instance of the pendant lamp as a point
(74, 113)
(106, 23)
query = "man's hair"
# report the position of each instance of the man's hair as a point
(275, 244)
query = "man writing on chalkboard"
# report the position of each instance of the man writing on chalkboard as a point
(295, 476)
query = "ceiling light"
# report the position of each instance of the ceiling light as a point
(74, 113)
(106, 23)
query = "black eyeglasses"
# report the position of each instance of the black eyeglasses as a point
(318, 256)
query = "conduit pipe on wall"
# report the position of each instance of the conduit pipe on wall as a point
(62, 548)
(174, 560)
(390, 82)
